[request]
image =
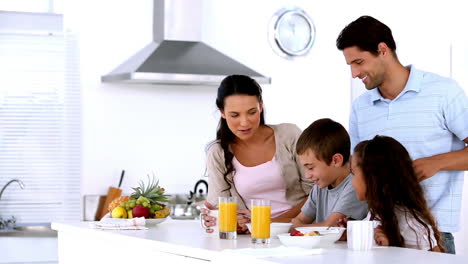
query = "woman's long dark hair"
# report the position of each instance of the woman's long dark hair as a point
(391, 183)
(233, 85)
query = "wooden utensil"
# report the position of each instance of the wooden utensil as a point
(112, 193)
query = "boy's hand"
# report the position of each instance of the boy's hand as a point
(342, 222)
(301, 220)
(380, 237)
(296, 223)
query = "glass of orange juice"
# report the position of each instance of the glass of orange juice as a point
(261, 215)
(227, 217)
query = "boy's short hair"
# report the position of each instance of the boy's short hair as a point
(325, 138)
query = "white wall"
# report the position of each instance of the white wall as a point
(143, 128)
(460, 73)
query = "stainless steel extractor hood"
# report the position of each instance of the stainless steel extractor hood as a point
(176, 55)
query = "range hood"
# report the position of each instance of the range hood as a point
(176, 55)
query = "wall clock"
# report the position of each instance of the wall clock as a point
(291, 32)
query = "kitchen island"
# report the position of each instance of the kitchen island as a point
(184, 241)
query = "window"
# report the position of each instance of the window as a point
(40, 126)
(37, 6)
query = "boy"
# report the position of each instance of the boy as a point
(324, 151)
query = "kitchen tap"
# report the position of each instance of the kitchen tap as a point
(20, 183)
(5, 223)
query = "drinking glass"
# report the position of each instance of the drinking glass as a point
(227, 217)
(261, 217)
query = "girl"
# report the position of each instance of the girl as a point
(385, 178)
(250, 159)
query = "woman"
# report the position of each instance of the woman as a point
(252, 160)
(384, 177)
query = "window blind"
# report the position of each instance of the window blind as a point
(40, 124)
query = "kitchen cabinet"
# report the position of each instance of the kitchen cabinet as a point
(28, 250)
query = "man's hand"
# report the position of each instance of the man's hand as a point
(426, 167)
(380, 237)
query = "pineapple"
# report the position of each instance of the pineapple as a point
(117, 201)
(155, 194)
(152, 191)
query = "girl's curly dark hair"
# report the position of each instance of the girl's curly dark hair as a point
(391, 183)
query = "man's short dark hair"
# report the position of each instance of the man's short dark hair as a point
(366, 33)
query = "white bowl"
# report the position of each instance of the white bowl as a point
(275, 228)
(154, 221)
(148, 221)
(300, 241)
(329, 236)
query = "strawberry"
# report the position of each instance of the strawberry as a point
(296, 233)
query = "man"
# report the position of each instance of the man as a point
(427, 113)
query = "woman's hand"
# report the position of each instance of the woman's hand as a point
(243, 217)
(208, 221)
(380, 237)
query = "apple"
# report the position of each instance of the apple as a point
(119, 212)
(140, 211)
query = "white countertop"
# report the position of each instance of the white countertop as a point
(187, 238)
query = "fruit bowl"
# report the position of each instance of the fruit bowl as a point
(300, 241)
(275, 228)
(329, 236)
(148, 200)
(154, 221)
(148, 221)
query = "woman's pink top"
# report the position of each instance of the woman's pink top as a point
(263, 181)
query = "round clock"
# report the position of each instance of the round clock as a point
(291, 32)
